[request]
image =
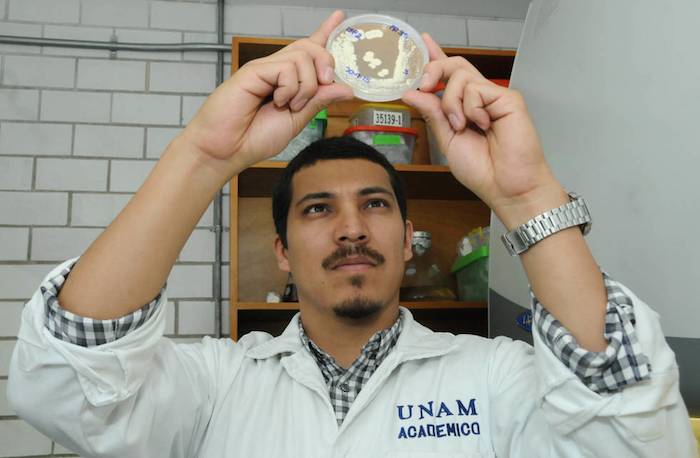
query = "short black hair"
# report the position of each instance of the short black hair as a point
(323, 150)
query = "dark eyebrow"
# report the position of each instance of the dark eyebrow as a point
(328, 195)
(314, 196)
(375, 190)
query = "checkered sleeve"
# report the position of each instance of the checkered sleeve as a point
(88, 332)
(622, 363)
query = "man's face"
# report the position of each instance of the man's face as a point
(347, 242)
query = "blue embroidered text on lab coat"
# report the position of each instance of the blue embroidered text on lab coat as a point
(433, 409)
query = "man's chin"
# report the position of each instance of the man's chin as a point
(358, 308)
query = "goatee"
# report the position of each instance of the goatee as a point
(357, 308)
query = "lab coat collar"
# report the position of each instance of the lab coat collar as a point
(415, 342)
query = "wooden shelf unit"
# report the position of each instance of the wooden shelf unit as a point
(437, 202)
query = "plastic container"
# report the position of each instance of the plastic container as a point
(382, 114)
(395, 143)
(472, 273)
(312, 132)
(379, 56)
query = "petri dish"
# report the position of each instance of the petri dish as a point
(378, 56)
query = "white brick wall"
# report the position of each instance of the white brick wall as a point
(57, 11)
(58, 243)
(182, 77)
(20, 439)
(22, 71)
(111, 75)
(10, 313)
(13, 244)
(20, 104)
(183, 16)
(20, 30)
(72, 106)
(190, 281)
(96, 209)
(253, 20)
(71, 175)
(67, 32)
(15, 173)
(108, 141)
(200, 37)
(196, 317)
(146, 109)
(300, 22)
(115, 14)
(33, 208)
(79, 132)
(19, 282)
(148, 36)
(5, 409)
(199, 247)
(35, 139)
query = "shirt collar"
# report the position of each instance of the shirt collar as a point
(415, 341)
(373, 352)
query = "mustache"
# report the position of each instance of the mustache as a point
(350, 251)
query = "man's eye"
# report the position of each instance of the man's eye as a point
(316, 208)
(377, 203)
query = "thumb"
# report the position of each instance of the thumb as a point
(325, 95)
(430, 107)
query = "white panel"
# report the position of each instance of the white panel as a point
(613, 90)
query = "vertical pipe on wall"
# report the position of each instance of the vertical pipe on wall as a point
(218, 200)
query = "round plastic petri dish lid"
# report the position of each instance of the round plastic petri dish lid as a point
(378, 56)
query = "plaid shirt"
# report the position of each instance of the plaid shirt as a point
(345, 384)
(622, 363)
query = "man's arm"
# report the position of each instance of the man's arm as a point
(561, 270)
(130, 261)
(493, 149)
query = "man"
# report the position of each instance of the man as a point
(353, 375)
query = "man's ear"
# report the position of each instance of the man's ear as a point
(281, 254)
(408, 239)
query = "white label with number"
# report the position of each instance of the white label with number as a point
(388, 118)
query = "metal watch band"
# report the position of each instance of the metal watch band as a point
(574, 213)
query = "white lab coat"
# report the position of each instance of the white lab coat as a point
(435, 395)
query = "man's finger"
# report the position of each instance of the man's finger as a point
(434, 50)
(430, 108)
(320, 36)
(322, 58)
(325, 95)
(442, 70)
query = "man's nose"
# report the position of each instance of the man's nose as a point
(351, 228)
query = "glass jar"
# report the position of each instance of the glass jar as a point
(423, 279)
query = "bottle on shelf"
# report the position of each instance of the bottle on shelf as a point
(423, 279)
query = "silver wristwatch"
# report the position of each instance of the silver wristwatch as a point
(575, 213)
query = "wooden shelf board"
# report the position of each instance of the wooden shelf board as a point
(441, 305)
